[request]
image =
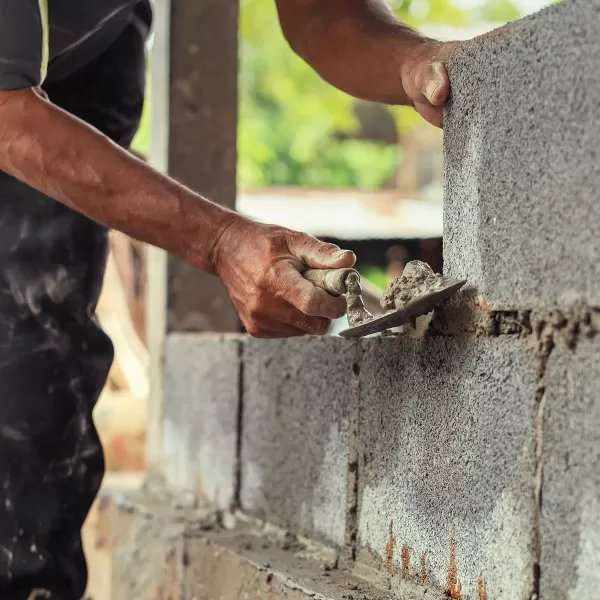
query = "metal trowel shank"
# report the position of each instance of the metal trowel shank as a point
(420, 306)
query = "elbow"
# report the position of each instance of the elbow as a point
(303, 26)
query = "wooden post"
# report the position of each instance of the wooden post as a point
(194, 65)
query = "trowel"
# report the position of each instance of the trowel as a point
(338, 282)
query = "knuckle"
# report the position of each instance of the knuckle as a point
(306, 303)
(313, 306)
(272, 241)
(328, 247)
(262, 277)
(270, 277)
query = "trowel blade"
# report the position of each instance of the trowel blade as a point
(421, 306)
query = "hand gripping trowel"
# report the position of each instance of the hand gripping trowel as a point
(408, 303)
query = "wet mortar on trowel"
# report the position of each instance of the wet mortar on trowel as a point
(418, 280)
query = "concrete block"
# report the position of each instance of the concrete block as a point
(522, 171)
(447, 465)
(298, 398)
(200, 415)
(148, 553)
(570, 518)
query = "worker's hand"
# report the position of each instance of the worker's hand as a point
(261, 266)
(425, 80)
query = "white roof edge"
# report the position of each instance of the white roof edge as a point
(344, 214)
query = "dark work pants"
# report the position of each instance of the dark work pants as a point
(54, 357)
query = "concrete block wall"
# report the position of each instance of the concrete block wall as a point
(447, 463)
(522, 217)
(521, 139)
(464, 462)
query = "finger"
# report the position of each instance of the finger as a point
(289, 285)
(274, 329)
(285, 313)
(434, 83)
(271, 330)
(319, 255)
(428, 82)
(433, 114)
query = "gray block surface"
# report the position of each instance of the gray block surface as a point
(447, 466)
(570, 522)
(201, 401)
(522, 163)
(297, 400)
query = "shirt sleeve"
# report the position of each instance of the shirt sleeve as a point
(23, 43)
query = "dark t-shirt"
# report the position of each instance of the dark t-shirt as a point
(50, 39)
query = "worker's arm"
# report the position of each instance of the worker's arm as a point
(73, 163)
(360, 47)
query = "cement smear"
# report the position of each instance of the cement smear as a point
(418, 279)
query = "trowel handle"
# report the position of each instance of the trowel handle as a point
(332, 281)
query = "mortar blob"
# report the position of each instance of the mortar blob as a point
(418, 280)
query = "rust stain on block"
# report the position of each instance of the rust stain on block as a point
(405, 561)
(424, 568)
(390, 548)
(454, 586)
(482, 587)
(485, 305)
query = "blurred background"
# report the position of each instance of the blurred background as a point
(365, 176)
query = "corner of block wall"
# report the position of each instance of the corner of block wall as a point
(201, 415)
(521, 172)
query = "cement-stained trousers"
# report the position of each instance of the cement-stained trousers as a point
(54, 357)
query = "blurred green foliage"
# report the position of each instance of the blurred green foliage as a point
(376, 275)
(291, 120)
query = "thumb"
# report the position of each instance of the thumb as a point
(319, 255)
(435, 84)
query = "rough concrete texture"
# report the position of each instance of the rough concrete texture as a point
(297, 404)
(570, 520)
(446, 472)
(163, 553)
(200, 415)
(521, 213)
(148, 558)
(234, 565)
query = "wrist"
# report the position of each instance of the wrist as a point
(226, 236)
(197, 229)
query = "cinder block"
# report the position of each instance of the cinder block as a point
(522, 169)
(201, 402)
(297, 407)
(570, 522)
(148, 552)
(447, 467)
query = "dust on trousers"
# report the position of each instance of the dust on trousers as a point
(54, 357)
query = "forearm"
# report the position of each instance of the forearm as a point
(357, 46)
(71, 162)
